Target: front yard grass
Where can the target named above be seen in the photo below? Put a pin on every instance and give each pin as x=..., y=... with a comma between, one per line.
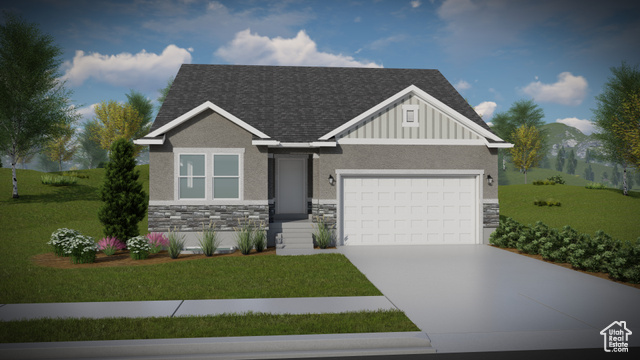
x=250, y=324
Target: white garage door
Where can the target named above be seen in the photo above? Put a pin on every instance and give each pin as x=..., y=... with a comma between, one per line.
x=409, y=210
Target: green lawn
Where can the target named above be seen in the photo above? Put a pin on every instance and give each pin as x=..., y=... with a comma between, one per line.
x=27, y=224
x=585, y=210
x=252, y=324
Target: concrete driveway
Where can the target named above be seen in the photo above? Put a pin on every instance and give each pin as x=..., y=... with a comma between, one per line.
x=480, y=298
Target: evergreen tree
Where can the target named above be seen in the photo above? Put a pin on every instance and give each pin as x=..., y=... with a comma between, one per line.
x=572, y=162
x=605, y=177
x=560, y=159
x=587, y=156
x=588, y=173
x=125, y=202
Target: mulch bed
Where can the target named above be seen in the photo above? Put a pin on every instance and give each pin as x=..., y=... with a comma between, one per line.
x=122, y=258
x=568, y=266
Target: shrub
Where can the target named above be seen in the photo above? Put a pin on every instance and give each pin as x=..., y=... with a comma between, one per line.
x=547, y=202
x=544, y=182
x=556, y=179
x=56, y=180
x=625, y=265
x=323, y=234
x=209, y=240
x=531, y=239
x=75, y=174
x=83, y=249
x=157, y=242
x=138, y=247
x=176, y=243
x=125, y=203
x=558, y=248
x=109, y=245
x=60, y=240
x=507, y=233
x=595, y=186
x=244, y=239
x=259, y=237
x=594, y=254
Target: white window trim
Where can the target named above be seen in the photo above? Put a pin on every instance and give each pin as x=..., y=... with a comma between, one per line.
x=416, y=116
x=239, y=176
x=208, y=190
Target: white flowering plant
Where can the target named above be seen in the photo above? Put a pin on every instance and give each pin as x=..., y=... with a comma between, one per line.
x=139, y=247
x=83, y=249
x=60, y=241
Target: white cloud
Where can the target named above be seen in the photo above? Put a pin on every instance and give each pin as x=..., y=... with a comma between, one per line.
x=415, y=4
x=568, y=90
x=384, y=42
x=142, y=70
x=587, y=127
x=485, y=109
x=357, y=19
x=462, y=85
x=87, y=112
x=253, y=49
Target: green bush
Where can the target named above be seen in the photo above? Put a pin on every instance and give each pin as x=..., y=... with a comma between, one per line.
x=547, y=202
x=209, y=240
x=176, y=243
x=556, y=179
x=556, y=248
x=60, y=240
x=507, y=233
x=594, y=254
x=544, y=182
x=323, y=235
x=56, y=180
x=75, y=174
x=533, y=238
x=596, y=186
x=139, y=247
x=625, y=266
x=125, y=203
x=83, y=249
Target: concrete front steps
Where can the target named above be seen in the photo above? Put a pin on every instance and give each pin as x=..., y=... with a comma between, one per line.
x=293, y=235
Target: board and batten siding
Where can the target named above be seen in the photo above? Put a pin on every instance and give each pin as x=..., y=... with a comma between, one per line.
x=387, y=124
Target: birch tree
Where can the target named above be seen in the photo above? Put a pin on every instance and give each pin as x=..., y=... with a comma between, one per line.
x=34, y=101
x=527, y=148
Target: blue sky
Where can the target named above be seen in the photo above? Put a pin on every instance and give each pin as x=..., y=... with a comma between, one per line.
x=495, y=52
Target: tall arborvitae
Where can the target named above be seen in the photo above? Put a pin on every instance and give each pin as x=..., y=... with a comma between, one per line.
x=125, y=202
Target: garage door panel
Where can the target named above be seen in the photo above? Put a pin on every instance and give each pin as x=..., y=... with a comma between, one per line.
x=409, y=210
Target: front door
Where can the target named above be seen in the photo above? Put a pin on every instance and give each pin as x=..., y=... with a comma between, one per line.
x=291, y=189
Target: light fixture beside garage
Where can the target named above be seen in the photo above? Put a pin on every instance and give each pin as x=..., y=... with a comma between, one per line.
x=489, y=180
x=331, y=180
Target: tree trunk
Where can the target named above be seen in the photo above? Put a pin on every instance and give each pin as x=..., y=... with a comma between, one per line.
x=624, y=182
x=525, y=176
x=15, y=179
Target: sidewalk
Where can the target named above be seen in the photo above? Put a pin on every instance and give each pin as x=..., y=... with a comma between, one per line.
x=253, y=347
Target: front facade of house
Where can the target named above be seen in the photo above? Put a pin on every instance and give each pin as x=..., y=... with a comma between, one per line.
x=390, y=156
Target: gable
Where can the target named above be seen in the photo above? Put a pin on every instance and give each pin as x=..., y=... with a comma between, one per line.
x=432, y=125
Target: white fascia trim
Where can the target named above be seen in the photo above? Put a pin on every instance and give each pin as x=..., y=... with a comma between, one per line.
x=354, y=141
x=146, y=141
x=411, y=172
x=197, y=110
x=498, y=145
x=188, y=202
x=424, y=97
x=313, y=144
x=265, y=142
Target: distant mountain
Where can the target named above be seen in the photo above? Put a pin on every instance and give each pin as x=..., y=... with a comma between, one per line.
x=559, y=135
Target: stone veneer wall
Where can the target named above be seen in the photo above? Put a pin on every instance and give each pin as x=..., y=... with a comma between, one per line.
x=491, y=215
x=327, y=210
x=191, y=217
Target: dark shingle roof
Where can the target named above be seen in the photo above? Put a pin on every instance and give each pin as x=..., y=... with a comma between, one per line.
x=295, y=104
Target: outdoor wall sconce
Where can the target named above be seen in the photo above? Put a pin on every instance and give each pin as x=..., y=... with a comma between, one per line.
x=331, y=180
x=489, y=180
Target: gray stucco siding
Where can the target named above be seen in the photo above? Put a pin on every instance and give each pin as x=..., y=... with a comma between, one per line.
x=207, y=130
x=411, y=157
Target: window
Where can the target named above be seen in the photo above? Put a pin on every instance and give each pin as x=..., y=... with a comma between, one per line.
x=410, y=116
x=208, y=174
x=226, y=176
x=192, y=177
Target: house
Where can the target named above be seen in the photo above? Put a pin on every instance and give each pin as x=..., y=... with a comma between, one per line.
x=390, y=156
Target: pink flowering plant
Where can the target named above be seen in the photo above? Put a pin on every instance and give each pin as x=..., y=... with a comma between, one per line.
x=109, y=245
x=157, y=242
